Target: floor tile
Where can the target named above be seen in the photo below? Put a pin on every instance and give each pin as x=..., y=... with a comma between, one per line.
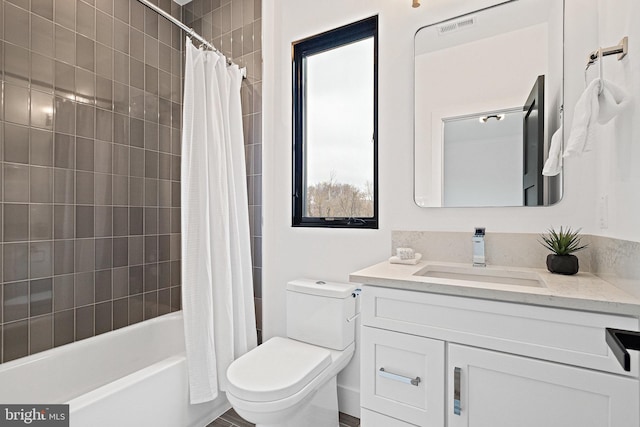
x=232, y=419
x=348, y=420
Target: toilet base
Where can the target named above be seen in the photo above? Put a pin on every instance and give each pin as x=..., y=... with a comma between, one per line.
x=318, y=410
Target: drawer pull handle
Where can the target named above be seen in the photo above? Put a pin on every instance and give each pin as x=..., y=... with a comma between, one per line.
x=619, y=342
x=456, y=391
x=413, y=381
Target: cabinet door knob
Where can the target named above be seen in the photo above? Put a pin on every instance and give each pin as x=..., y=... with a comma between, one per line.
x=457, y=406
x=413, y=381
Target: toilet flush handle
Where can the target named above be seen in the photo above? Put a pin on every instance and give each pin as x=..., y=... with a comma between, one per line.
x=354, y=294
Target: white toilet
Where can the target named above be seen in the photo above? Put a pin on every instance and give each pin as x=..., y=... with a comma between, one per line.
x=291, y=382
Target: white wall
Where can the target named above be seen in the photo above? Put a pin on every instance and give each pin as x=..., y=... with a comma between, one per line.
x=483, y=171
x=332, y=254
x=617, y=208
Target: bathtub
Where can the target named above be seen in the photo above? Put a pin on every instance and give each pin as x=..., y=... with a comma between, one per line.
x=135, y=376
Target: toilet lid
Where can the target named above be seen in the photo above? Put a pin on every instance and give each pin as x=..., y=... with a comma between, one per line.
x=276, y=369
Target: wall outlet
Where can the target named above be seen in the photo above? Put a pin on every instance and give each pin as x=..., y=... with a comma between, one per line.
x=603, y=212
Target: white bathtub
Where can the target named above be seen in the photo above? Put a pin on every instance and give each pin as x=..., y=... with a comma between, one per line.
x=134, y=376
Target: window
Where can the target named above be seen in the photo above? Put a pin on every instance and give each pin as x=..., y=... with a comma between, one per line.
x=335, y=128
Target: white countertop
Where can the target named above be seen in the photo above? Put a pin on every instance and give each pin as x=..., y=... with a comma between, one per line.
x=582, y=291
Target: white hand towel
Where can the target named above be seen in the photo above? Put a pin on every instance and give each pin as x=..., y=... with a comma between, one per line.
x=413, y=261
x=611, y=102
x=405, y=253
x=594, y=106
x=584, y=116
x=553, y=165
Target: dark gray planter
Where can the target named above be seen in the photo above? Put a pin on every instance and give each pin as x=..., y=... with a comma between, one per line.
x=562, y=264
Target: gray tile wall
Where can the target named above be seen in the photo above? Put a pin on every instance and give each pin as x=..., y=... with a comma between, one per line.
x=90, y=168
x=235, y=28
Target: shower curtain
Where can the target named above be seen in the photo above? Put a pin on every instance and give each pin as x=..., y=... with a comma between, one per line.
x=217, y=289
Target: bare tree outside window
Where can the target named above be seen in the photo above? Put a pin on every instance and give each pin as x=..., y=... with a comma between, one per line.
x=335, y=199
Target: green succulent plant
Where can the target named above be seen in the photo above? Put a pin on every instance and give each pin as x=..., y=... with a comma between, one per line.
x=563, y=242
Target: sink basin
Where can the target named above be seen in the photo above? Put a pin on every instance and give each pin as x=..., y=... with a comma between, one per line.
x=482, y=274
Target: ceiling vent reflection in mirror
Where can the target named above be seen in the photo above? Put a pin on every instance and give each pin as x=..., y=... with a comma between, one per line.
x=450, y=27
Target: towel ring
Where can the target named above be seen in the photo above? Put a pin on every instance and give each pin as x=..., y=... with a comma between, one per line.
x=621, y=49
x=596, y=57
x=600, y=61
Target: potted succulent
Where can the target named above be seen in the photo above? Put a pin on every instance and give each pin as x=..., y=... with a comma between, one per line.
x=563, y=244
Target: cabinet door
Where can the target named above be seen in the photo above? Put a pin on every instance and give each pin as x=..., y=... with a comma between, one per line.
x=502, y=390
x=389, y=361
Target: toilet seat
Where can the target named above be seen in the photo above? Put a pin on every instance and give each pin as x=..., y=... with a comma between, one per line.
x=277, y=369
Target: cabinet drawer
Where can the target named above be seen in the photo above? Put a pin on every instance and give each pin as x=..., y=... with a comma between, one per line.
x=373, y=419
x=559, y=335
x=392, y=360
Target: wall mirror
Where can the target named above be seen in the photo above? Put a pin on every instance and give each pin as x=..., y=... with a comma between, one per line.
x=488, y=99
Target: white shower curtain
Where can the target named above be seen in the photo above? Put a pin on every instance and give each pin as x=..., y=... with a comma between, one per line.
x=217, y=289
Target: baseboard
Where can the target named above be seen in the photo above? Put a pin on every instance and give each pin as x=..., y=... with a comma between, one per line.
x=220, y=406
x=349, y=401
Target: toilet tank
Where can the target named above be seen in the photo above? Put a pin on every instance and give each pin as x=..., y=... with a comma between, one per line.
x=317, y=313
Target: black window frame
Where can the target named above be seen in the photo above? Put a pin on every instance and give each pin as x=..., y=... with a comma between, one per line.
x=329, y=40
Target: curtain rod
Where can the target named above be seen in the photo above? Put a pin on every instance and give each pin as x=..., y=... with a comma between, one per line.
x=190, y=31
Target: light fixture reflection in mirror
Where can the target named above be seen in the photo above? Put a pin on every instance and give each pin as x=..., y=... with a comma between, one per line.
x=460, y=72
x=485, y=119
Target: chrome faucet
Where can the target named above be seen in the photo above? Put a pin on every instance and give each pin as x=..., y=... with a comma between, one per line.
x=478, y=248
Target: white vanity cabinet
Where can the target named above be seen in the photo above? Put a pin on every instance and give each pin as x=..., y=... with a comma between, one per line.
x=487, y=363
